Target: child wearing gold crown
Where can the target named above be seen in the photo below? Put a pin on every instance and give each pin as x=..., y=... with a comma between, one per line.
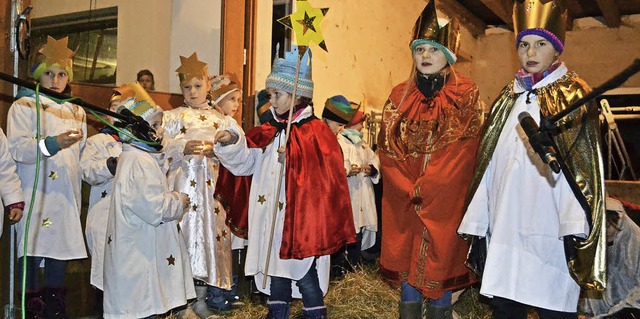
x=428, y=140
x=194, y=170
x=55, y=232
x=312, y=215
x=522, y=208
x=146, y=266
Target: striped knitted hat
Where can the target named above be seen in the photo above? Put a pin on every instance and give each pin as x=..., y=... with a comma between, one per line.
x=283, y=73
x=337, y=108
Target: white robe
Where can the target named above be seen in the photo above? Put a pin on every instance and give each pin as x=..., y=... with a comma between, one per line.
x=95, y=172
x=146, y=267
x=55, y=230
x=525, y=210
x=361, y=191
x=10, y=187
x=207, y=236
x=263, y=164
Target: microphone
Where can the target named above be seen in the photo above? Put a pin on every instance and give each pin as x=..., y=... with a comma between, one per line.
x=540, y=141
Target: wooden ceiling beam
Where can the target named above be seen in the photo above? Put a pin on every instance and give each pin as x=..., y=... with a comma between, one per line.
x=610, y=12
x=502, y=8
x=574, y=8
x=453, y=8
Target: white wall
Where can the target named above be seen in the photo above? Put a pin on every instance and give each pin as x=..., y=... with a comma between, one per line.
x=152, y=34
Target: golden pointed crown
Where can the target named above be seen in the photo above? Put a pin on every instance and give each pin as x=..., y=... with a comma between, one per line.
x=547, y=15
x=191, y=67
x=427, y=28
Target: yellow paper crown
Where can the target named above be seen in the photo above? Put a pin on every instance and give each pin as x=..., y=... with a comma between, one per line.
x=191, y=68
x=427, y=28
x=546, y=15
x=55, y=52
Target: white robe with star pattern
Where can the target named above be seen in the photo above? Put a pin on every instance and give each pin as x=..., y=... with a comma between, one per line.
x=54, y=229
x=95, y=172
x=207, y=236
x=146, y=267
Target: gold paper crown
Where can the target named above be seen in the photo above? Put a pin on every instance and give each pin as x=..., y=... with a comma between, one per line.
x=539, y=14
x=427, y=28
x=191, y=67
x=55, y=52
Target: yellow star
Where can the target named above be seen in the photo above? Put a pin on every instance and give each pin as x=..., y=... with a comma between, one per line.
x=216, y=210
x=209, y=183
x=56, y=52
x=53, y=175
x=109, y=240
x=193, y=183
x=47, y=222
x=218, y=238
x=261, y=199
x=104, y=194
x=191, y=68
x=183, y=130
x=194, y=207
x=202, y=118
x=224, y=233
x=216, y=125
x=304, y=19
x=171, y=260
x=280, y=205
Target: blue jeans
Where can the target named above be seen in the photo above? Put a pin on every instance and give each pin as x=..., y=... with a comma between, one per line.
x=410, y=294
x=54, y=271
x=309, y=286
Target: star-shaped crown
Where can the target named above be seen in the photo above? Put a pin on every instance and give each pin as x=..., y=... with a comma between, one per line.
x=191, y=67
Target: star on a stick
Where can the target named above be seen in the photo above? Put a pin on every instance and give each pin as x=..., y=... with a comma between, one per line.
x=305, y=23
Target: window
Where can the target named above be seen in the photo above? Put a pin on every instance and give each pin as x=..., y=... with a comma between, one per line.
x=92, y=35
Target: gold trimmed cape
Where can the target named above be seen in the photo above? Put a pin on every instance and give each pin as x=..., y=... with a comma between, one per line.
x=578, y=141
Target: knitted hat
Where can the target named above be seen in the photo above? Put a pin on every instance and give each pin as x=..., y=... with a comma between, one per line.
x=54, y=53
x=191, y=68
x=338, y=109
x=427, y=30
x=262, y=107
x=283, y=73
x=223, y=85
x=358, y=118
x=134, y=98
x=548, y=20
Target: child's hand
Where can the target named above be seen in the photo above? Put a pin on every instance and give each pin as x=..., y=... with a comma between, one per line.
x=193, y=147
x=355, y=170
x=186, y=201
x=207, y=148
x=225, y=137
x=15, y=214
x=366, y=168
x=68, y=138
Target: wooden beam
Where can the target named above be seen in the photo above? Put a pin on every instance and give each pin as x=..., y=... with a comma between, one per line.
x=610, y=12
x=502, y=8
x=574, y=8
x=467, y=19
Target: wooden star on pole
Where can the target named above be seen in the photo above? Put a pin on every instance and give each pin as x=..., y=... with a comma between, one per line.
x=305, y=23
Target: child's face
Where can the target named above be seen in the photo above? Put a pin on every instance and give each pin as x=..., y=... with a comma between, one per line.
x=156, y=124
x=231, y=103
x=334, y=126
x=429, y=59
x=536, y=53
x=113, y=106
x=280, y=100
x=194, y=91
x=54, y=78
x=146, y=81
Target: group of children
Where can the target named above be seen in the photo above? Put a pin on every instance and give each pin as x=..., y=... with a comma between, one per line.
x=161, y=237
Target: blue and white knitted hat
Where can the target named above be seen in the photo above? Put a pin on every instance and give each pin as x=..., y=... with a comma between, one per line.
x=283, y=73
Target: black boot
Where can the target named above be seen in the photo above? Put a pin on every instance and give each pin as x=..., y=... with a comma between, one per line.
x=410, y=310
x=54, y=298
x=314, y=313
x=278, y=309
x=434, y=312
x=34, y=304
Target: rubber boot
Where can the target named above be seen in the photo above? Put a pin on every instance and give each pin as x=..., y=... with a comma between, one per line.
x=410, y=310
x=54, y=298
x=278, y=309
x=199, y=306
x=34, y=304
x=216, y=300
x=315, y=313
x=434, y=312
